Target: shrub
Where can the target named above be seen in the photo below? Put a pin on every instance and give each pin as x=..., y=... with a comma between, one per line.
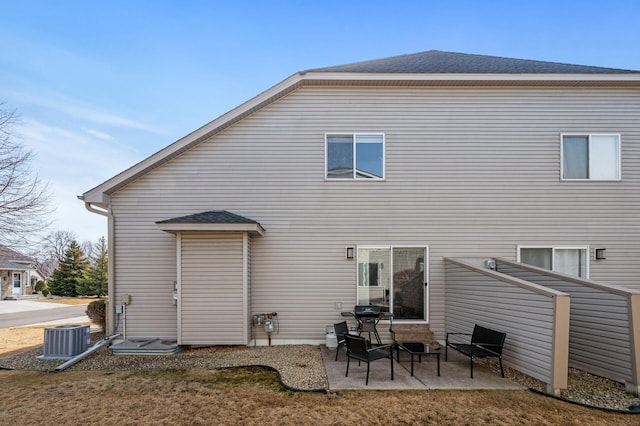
x=97, y=312
x=40, y=285
x=45, y=292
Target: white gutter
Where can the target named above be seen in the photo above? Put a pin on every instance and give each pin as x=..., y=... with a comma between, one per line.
x=96, y=210
x=373, y=76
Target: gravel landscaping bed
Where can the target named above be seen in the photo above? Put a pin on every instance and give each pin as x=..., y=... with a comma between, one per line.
x=583, y=388
x=301, y=368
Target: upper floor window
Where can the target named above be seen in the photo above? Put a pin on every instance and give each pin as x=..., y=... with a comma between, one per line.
x=354, y=156
x=567, y=260
x=590, y=157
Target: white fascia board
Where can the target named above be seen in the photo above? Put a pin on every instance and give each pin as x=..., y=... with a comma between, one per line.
x=97, y=198
x=630, y=77
x=253, y=228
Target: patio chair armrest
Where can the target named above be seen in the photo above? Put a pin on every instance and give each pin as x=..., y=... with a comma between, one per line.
x=375, y=348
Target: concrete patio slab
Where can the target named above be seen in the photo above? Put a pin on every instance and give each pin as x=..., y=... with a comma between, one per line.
x=454, y=374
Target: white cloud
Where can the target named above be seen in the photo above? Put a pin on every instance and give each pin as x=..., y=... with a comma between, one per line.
x=81, y=111
x=53, y=140
x=67, y=149
x=73, y=162
x=100, y=135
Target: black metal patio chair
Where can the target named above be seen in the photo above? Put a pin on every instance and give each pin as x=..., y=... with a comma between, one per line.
x=341, y=330
x=359, y=348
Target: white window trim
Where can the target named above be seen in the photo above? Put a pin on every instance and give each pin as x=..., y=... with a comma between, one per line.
x=589, y=135
x=553, y=254
x=355, y=134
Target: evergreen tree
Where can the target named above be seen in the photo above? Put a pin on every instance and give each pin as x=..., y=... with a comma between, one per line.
x=70, y=272
x=96, y=281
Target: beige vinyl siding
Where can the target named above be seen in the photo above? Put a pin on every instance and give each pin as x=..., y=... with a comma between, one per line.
x=469, y=172
x=601, y=330
x=212, y=297
x=531, y=316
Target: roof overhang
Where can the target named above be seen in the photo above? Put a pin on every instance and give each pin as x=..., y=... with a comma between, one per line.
x=473, y=79
x=174, y=228
x=99, y=196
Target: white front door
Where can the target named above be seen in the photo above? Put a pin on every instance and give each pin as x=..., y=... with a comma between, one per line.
x=17, y=283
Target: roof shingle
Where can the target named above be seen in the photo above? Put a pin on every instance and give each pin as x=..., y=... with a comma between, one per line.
x=212, y=216
x=436, y=62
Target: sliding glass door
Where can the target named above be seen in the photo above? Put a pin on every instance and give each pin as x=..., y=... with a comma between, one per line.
x=394, y=278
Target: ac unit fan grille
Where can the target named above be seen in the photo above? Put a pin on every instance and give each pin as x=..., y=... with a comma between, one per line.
x=65, y=341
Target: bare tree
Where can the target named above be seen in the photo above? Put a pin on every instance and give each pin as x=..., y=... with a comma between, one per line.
x=87, y=248
x=48, y=253
x=57, y=242
x=24, y=198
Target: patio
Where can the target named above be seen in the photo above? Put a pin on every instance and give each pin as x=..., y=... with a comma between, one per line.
x=454, y=374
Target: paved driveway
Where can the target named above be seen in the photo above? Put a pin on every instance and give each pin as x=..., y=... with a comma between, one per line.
x=15, y=313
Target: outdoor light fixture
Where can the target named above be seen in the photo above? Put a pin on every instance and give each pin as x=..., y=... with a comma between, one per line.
x=491, y=264
x=600, y=253
x=350, y=252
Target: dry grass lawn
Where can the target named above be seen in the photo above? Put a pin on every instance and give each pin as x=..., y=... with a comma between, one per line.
x=19, y=338
x=70, y=300
x=254, y=397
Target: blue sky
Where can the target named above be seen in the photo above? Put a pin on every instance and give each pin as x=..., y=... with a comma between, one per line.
x=100, y=86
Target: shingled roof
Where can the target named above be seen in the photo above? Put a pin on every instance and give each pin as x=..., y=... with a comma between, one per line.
x=212, y=216
x=213, y=220
x=11, y=259
x=436, y=62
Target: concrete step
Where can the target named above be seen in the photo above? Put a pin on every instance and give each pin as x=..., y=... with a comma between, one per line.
x=25, y=297
x=413, y=332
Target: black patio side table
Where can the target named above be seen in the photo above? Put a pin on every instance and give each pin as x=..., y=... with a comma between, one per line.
x=417, y=348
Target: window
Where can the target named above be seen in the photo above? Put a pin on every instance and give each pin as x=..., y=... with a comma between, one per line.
x=354, y=156
x=393, y=278
x=591, y=157
x=567, y=260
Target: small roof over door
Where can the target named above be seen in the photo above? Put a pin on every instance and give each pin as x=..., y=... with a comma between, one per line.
x=213, y=220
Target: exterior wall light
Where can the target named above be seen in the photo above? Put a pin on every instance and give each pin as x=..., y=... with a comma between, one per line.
x=600, y=253
x=350, y=252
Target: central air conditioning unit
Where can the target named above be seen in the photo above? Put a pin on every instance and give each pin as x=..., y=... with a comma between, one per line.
x=65, y=341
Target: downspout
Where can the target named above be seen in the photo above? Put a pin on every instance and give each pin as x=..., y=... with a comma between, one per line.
x=83, y=355
x=108, y=213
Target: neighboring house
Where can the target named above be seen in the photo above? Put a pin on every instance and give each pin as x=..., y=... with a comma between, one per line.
x=18, y=274
x=351, y=185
